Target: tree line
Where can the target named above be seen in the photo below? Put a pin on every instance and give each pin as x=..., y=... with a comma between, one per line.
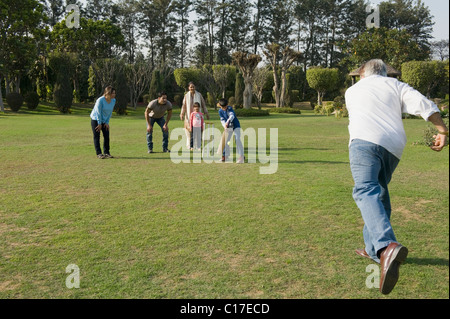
x=139, y=44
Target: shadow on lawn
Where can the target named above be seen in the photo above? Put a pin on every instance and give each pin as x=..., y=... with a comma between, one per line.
x=427, y=261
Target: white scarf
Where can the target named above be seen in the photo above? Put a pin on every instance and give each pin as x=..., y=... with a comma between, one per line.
x=189, y=107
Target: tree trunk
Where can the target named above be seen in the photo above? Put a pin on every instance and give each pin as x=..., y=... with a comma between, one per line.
x=2, y=107
x=319, y=97
x=247, y=93
x=283, y=88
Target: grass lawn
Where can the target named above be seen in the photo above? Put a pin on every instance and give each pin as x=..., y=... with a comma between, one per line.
x=140, y=226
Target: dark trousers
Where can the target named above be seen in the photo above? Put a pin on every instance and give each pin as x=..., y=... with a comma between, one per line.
x=161, y=121
x=105, y=132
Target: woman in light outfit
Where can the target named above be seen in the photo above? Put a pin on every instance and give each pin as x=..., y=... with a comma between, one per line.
x=188, y=107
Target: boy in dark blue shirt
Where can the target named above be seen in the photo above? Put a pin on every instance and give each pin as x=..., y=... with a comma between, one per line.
x=230, y=123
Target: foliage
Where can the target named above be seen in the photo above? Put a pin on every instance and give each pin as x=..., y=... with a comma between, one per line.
x=424, y=76
x=239, y=90
x=393, y=46
x=289, y=110
x=32, y=100
x=247, y=64
x=250, y=112
x=15, y=101
x=63, y=90
x=185, y=75
x=322, y=80
x=122, y=92
x=429, y=132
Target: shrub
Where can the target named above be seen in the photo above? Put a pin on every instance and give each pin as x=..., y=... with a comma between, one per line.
x=32, y=100
x=63, y=92
x=328, y=108
x=15, y=101
x=232, y=101
x=429, y=132
x=178, y=99
x=289, y=110
x=251, y=112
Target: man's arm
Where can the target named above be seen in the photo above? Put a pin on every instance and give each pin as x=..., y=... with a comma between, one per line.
x=147, y=119
x=169, y=116
x=442, y=136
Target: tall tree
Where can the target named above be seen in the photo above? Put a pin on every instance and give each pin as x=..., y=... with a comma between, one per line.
x=181, y=10
x=281, y=22
x=21, y=25
x=247, y=64
x=54, y=10
x=207, y=13
x=410, y=15
x=127, y=14
x=280, y=58
x=260, y=23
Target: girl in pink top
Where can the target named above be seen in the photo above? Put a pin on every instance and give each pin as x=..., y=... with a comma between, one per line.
x=196, y=126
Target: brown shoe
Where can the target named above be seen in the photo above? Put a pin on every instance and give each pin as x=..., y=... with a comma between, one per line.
x=390, y=260
x=362, y=252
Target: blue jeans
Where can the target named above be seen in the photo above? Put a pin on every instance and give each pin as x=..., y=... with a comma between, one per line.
x=372, y=167
x=161, y=121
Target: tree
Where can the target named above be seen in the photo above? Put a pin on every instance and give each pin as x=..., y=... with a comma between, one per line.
x=322, y=80
x=207, y=13
x=280, y=59
x=54, y=10
x=185, y=75
x=223, y=75
x=62, y=65
x=281, y=22
x=21, y=28
x=181, y=10
x=392, y=46
x=408, y=15
x=260, y=23
x=128, y=15
x=425, y=76
x=138, y=75
x=247, y=63
x=440, y=49
x=260, y=77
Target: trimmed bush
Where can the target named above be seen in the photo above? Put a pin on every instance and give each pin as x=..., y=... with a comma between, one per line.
x=32, y=100
x=289, y=110
x=15, y=101
x=251, y=112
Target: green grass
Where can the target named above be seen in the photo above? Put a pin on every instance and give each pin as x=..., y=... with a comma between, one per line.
x=140, y=226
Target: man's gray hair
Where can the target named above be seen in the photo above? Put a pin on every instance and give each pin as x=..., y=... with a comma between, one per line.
x=373, y=67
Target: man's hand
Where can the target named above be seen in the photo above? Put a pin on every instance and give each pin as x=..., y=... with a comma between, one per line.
x=107, y=127
x=207, y=116
x=165, y=127
x=98, y=128
x=149, y=128
x=440, y=141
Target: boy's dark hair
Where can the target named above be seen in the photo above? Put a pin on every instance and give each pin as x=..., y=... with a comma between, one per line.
x=162, y=93
x=196, y=104
x=223, y=102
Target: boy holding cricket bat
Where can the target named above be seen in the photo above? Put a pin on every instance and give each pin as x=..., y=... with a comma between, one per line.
x=231, y=125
